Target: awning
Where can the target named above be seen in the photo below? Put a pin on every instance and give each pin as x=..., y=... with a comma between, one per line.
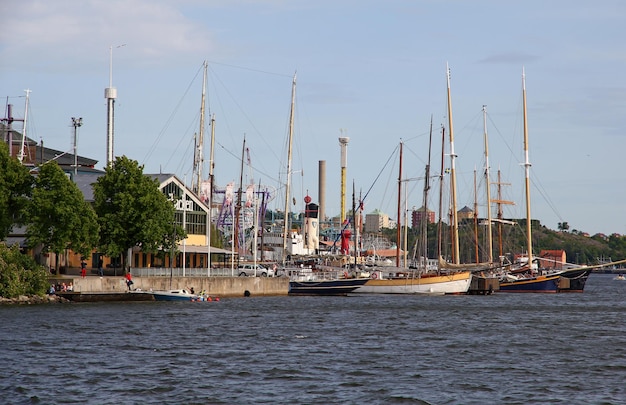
x=203, y=249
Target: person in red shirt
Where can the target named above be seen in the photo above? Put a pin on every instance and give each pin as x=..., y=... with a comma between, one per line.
x=129, y=280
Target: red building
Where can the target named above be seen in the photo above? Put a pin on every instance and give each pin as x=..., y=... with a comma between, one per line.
x=416, y=217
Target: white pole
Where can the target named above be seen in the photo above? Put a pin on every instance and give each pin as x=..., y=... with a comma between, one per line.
x=20, y=156
x=184, y=225
x=232, y=244
x=256, y=228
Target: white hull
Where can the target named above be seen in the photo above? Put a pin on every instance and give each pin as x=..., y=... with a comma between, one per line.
x=174, y=295
x=458, y=283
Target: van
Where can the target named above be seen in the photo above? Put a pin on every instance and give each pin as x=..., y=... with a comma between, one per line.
x=249, y=270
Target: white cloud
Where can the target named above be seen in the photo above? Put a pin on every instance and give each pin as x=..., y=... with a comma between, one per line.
x=53, y=34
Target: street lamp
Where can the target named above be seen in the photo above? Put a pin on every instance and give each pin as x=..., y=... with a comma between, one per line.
x=76, y=123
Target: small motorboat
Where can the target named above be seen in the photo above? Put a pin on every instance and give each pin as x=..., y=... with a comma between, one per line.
x=619, y=277
x=175, y=295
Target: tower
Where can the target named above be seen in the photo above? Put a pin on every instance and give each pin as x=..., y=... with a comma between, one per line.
x=343, y=142
x=110, y=93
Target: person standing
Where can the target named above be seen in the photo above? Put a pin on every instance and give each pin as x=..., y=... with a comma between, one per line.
x=83, y=269
x=129, y=280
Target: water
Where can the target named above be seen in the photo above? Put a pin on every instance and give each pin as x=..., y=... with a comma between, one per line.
x=504, y=348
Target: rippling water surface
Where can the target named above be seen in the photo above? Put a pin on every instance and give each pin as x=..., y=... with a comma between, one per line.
x=504, y=348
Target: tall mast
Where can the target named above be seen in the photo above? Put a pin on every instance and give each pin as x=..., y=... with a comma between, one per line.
x=488, y=186
x=239, y=192
x=500, y=216
x=440, y=220
x=398, y=240
x=424, y=217
x=199, y=156
x=287, y=185
x=210, y=204
x=355, y=226
x=476, y=252
x=455, y=220
x=527, y=174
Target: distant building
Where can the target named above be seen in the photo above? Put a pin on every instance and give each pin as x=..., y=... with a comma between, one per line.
x=190, y=210
x=416, y=217
x=465, y=213
x=375, y=221
x=552, y=259
x=35, y=153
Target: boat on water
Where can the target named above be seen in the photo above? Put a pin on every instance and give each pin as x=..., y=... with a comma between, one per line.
x=528, y=277
x=386, y=280
x=619, y=277
x=175, y=295
x=308, y=282
x=389, y=279
x=570, y=280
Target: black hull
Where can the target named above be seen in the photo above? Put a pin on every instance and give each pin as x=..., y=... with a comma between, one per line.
x=575, y=280
x=328, y=287
x=572, y=280
x=106, y=296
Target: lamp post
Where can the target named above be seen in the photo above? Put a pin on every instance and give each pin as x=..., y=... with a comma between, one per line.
x=76, y=123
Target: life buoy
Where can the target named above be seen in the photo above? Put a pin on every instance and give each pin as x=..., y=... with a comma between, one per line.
x=374, y=275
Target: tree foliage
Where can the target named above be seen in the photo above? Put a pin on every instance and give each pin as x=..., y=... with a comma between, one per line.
x=132, y=211
x=19, y=274
x=15, y=190
x=59, y=218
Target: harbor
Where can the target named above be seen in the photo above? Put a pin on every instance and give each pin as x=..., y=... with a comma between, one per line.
x=111, y=288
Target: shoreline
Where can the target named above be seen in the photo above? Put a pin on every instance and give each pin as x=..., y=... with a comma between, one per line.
x=33, y=300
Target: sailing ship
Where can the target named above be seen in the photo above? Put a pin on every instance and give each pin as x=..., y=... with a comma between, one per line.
x=529, y=278
x=383, y=280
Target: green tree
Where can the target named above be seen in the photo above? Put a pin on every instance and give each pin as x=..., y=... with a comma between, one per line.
x=132, y=211
x=19, y=274
x=59, y=218
x=15, y=190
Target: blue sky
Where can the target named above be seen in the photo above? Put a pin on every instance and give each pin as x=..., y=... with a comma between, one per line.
x=374, y=70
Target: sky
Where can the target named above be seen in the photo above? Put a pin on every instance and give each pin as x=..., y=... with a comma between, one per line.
x=370, y=70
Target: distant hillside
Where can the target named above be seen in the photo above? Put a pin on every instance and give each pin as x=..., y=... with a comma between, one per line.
x=579, y=247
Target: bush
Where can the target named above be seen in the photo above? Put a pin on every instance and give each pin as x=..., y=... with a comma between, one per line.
x=19, y=274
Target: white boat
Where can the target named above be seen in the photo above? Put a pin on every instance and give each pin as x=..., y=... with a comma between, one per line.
x=175, y=295
x=387, y=280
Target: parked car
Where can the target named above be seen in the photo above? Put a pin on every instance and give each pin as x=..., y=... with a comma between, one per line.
x=249, y=270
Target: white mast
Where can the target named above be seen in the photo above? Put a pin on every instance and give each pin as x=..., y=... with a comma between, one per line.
x=488, y=185
x=527, y=174
x=291, y=118
x=20, y=156
x=455, y=221
x=199, y=155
